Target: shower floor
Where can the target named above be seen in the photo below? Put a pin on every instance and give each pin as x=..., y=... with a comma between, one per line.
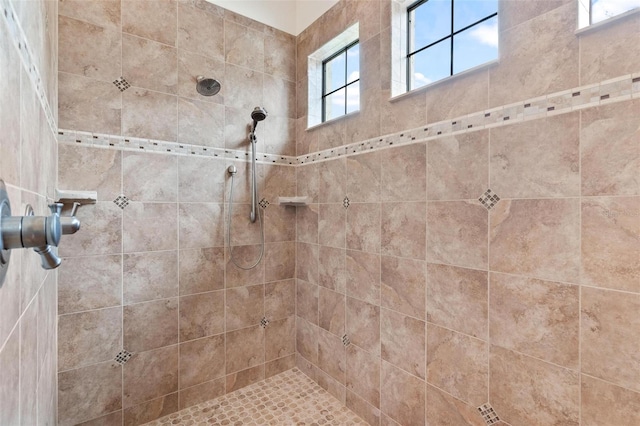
x=289, y=398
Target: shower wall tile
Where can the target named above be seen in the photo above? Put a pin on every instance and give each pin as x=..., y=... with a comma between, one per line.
x=548, y=245
x=307, y=262
x=363, y=325
x=151, y=410
x=331, y=311
x=402, y=341
x=403, y=174
x=403, y=229
x=89, y=392
x=10, y=387
x=105, y=13
x=201, y=225
x=603, y=402
x=201, y=270
x=201, y=315
x=9, y=112
x=536, y=318
x=331, y=385
x=78, y=109
x=363, y=409
x=307, y=181
x=149, y=375
x=403, y=285
x=200, y=179
x=152, y=19
x=201, y=393
x=200, y=123
x=87, y=169
x=280, y=62
x=280, y=299
x=244, y=348
x=101, y=231
x=147, y=114
x=461, y=96
x=244, y=88
x=307, y=224
x=609, y=345
x=89, y=337
x=402, y=395
x=89, y=50
x=29, y=364
x=457, y=166
x=243, y=46
x=190, y=66
x=113, y=418
x=307, y=301
x=150, y=325
x=332, y=269
x=442, y=407
x=149, y=65
x=280, y=365
x=88, y=283
x=201, y=360
x=307, y=341
x=363, y=227
x=515, y=378
x=149, y=226
x=244, y=256
x=363, y=276
x=546, y=164
x=244, y=378
x=363, y=177
x=280, y=261
x=332, y=181
x=331, y=355
x=457, y=299
x=280, y=338
x=149, y=177
x=331, y=225
x=279, y=181
x=363, y=374
x=610, y=248
x=458, y=364
x=515, y=13
x=610, y=169
x=457, y=234
x=244, y=306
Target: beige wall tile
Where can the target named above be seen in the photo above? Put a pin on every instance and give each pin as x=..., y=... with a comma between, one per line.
x=89, y=337
x=89, y=392
x=149, y=65
x=457, y=166
x=457, y=299
x=280, y=261
x=200, y=179
x=363, y=177
x=201, y=393
x=201, y=315
x=149, y=276
x=244, y=88
x=402, y=340
x=243, y=46
x=536, y=318
x=150, y=177
x=151, y=374
x=525, y=390
x=244, y=306
x=87, y=283
x=151, y=410
x=331, y=385
x=243, y=256
x=442, y=407
x=331, y=225
x=363, y=227
x=244, y=378
x=307, y=181
x=331, y=355
x=609, y=343
x=201, y=360
x=147, y=114
x=459, y=96
x=403, y=229
x=403, y=175
x=153, y=19
x=279, y=365
x=307, y=341
x=201, y=270
x=244, y=348
x=150, y=325
x=280, y=60
x=331, y=311
x=403, y=285
x=402, y=396
x=332, y=269
x=29, y=366
x=201, y=225
x=604, y=403
x=101, y=231
x=363, y=375
x=105, y=13
x=332, y=181
x=87, y=169
x=610, y=169
x=9, y=110
x=515, y=13
x=149, y=226
x=113, y=418
x=548, y=243
x=363, y=409
x=363, y=325
x=407, y=112
x=279, y=299
x=200, y=123
x=307, y=224
x=307, y=262
x=363, y=276
x=458, y=364
x=457, y=233
x=280, y=338
x=544, y=163
x=89, y=50
x=10, y=386
x=190, y=66
x=307, y=301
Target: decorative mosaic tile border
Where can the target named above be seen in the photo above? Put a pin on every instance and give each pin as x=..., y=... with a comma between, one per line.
x=611, y=91
x=26, y=56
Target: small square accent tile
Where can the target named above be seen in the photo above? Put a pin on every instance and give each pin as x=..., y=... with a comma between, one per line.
x=346, y=202
x=264, y=322
x=123, y=356
x=489, y=199
x=121, y=84
x=121, y=201
x=263, y=203
x=345, y=340
x=488, y=414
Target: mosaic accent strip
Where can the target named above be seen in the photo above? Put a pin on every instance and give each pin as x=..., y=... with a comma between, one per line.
x=489, y=199
x=264, y=203
x=123, y=356
x=488, y=414
x=121, y=201
x=165, y=147
x=121, y=84
x=19, y=38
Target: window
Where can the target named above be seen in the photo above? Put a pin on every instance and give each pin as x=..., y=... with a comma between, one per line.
x=594, y=11
x=341, y=82
x=334, y=78
x=446, y=37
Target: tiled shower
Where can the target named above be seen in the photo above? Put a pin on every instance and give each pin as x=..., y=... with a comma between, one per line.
x=472, y=244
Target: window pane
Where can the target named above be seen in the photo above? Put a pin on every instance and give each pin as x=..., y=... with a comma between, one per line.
x=353, y=97
x=353, y=63
x=431, y=64
x=467, y=12
x=429, y=23
x=605, y=9
x=334, y=73
x=334, y=104
x=475, y=46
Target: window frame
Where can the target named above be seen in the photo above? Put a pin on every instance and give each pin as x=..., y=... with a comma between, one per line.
x=325, y=95
x=451, y=35
x=585, y=15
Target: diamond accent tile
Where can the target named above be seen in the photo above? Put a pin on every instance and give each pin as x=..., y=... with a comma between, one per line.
x=123, y=356
x=263, y=203
x=121, y=201
x=488, y=414
x=345, y=340
x=346, y=202
x=264, y=322
x=489, y=199
x=121, y=84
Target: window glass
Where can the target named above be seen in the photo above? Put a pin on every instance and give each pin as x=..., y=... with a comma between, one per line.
x=467, y=12
x=353, y=63
x=335, y=104
x=605, y=9
x=431, y=64
x=334, y=73
x=353, y=97
x=341, y=94
x=475, y=46
x=430, y=22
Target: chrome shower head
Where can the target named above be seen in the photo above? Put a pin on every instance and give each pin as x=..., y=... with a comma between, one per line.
x=207, y=86
x=258, y=114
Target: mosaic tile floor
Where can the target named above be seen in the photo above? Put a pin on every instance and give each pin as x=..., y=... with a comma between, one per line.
x=290, y=398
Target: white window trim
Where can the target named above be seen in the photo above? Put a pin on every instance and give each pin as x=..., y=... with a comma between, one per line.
x=314, y=73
